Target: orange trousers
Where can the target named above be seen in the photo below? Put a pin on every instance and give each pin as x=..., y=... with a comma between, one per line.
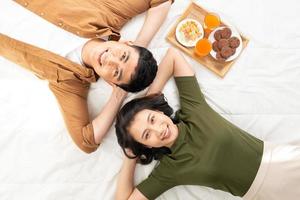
x=67, y=80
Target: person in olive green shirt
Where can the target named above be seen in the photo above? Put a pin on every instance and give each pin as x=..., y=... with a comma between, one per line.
x=198, y=146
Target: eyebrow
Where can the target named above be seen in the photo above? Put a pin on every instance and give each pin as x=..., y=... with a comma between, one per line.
x=121, y=71
x=148, y=118
x=128, y=55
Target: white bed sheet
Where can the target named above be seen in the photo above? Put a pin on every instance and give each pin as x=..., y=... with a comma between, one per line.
x=261, y=94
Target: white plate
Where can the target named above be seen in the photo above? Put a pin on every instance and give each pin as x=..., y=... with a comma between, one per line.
x=182, y=39
x=234, y=33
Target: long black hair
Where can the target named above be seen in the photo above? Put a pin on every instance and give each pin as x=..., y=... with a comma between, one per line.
x=126, y=116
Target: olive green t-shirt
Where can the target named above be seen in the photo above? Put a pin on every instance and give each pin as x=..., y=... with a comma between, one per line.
x=209, y=151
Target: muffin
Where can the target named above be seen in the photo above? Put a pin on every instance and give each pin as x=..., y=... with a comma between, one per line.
x=215, y=46
x=226, y=33
x=223, y=43
x=233, y=51
x=218, y=35
x=234, y=42
x=226, y=52
x=219, y=57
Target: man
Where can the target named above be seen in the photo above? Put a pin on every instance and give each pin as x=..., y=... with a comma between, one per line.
x=119, y=63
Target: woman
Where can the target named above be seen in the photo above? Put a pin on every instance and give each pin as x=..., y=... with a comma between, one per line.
x=199, y=147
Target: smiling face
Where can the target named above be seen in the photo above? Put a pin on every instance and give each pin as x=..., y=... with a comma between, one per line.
x=115, y=62
x=153, y=129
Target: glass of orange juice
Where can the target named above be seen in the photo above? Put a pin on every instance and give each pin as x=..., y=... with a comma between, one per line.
x=203, y=47
x=211, y=21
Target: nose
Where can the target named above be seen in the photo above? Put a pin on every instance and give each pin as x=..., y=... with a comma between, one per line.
x=112, y=62
x=108, y=57
x=158, y=130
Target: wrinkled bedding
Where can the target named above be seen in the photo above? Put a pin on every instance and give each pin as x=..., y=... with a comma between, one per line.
x=260, y=93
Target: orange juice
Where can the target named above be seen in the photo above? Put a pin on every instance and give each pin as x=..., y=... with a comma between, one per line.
x=211, y=21
x=203, y=47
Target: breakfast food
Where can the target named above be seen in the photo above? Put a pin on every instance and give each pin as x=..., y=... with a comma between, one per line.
x=190, y=30
x=226, y=33
x=225, y=44
x=234, y=42
x=219, y=57
x=226, y=52
x=215, y=46
x=218, y=35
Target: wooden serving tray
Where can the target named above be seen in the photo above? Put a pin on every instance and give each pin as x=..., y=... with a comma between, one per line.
x=196, y=12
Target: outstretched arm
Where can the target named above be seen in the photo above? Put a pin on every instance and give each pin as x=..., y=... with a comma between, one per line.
x=103, y=122
x=173, y=64
x=125, y=187
x=154, y=19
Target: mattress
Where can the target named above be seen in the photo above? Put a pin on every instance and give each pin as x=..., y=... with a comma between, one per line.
x=260, y=94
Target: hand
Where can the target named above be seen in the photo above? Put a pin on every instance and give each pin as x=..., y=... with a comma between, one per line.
x=128, y=42
x=119, y=93
x=131, y=154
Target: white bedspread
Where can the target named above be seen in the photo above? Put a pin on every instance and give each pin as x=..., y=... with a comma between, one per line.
x=261, y=94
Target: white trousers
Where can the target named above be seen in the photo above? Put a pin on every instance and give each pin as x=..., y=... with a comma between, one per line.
x=278, y=177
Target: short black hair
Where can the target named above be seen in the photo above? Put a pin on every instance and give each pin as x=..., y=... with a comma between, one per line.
x=145, y=71
x=126, y=116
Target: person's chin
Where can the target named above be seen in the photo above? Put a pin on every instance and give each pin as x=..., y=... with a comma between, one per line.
x=99, y=72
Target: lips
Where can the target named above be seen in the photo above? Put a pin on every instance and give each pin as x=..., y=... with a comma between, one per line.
x=100, y=59
x=166, y=134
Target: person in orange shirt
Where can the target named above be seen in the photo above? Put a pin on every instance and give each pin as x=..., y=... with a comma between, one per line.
x=125, y=65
